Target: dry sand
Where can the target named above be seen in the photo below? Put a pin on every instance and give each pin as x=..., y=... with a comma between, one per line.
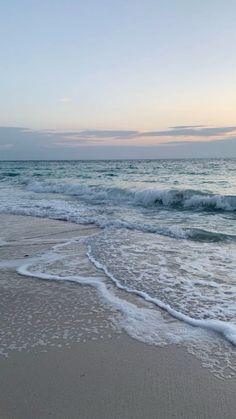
x=99, y=373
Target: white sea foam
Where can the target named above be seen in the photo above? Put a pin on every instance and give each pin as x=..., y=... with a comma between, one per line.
x=226, y=329
x=189, y=276
x=138, y=316
x=140, y=321
x=15, y=263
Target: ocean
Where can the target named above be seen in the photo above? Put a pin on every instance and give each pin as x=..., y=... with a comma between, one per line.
x=167, y=235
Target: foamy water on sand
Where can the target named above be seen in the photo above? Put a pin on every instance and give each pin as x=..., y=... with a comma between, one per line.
x=166, y=244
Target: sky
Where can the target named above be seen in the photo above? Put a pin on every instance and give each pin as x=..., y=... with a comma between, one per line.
x=123, y=79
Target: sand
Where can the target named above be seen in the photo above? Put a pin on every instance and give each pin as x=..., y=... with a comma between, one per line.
x=67, y=362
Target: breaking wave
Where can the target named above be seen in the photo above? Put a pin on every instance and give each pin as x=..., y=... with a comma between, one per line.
x=168, y=198
x=66, y=211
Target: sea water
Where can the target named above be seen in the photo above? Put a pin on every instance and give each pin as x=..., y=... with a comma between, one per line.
x=167, y=235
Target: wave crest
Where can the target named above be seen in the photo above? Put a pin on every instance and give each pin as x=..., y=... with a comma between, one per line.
x=170, y=198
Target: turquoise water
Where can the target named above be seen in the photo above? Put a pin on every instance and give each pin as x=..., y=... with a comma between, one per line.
x=167, y=227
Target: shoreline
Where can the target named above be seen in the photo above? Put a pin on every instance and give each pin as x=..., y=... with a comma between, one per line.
x=104, y=374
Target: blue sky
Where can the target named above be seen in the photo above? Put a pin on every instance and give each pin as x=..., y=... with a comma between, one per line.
x=134, y=67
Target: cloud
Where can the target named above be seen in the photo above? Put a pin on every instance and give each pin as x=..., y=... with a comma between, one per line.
x=6, y=146
x=96, y=133
x=191, y=131
x=187, y=126
x=65, y=99
x=23, y=140
x=178, y=131
x=23, y=143
x=108, y=133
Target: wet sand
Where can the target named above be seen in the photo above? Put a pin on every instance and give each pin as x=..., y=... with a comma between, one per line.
x=66, y=362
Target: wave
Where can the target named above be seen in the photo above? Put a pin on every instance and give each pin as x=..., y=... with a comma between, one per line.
x=226, y=329
x=198, y=234
x=68, y=211
x=181, y=199
x=223, y=328
x=186, y=199
x=9, y=174
x=174, y=231
x=141, y=321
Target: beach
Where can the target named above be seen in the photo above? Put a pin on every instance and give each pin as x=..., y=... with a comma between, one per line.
x=118, y=210
x=64, y=353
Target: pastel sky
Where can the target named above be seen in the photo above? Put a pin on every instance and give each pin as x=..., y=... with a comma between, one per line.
x=117, y=79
